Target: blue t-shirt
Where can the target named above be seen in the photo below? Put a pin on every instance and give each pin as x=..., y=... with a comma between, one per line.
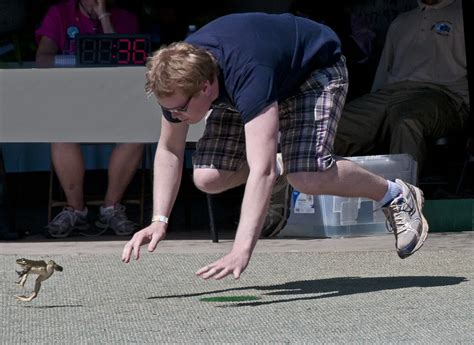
x=265, y=57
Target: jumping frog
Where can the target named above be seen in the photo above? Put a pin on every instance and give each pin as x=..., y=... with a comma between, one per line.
x=42, y=269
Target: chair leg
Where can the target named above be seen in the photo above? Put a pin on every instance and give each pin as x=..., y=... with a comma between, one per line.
x=7, y=216
x=469, y=159
x=16, y=44
x=212, y=226
x=142, y=191
x=147, y=178
x=50, y=196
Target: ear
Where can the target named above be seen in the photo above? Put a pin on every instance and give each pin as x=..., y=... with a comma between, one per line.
x=206, y=88
x=209, y=87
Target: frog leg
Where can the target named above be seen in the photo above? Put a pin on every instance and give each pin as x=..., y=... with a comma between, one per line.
x=22, y=280
x=24, y=298
x=35, y=292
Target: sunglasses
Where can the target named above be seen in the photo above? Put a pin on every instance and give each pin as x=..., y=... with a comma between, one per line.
x=181, y=109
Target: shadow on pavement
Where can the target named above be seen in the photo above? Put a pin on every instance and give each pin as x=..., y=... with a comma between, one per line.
x=331, y=287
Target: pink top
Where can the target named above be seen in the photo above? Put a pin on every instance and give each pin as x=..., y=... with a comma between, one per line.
x=66, y=16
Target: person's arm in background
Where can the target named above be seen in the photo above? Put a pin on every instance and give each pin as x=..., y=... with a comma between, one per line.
x=46, y=51
x=385, y=62
x=103, y=15
x=47, y=37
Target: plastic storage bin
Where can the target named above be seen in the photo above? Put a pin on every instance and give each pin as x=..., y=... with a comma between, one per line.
x=332, y=216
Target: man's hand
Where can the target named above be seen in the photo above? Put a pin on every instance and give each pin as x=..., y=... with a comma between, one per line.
x=233, y=263
x=151, y=234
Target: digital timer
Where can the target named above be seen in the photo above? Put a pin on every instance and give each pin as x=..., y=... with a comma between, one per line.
x=112, y=49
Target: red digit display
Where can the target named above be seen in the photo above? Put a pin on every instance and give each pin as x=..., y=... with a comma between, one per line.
x=112, y=49
x=139, y=52
x=124, y=51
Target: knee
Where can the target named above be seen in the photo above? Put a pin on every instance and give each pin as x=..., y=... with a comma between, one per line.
x=208, y=180
x=138, y=149
x=59, y=147
x=66, y=152
x=131, y=147
x=405, y=126
x=138, y=146
x=402, y=116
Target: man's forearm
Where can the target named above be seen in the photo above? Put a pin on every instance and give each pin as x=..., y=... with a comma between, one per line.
x=254, y=209
x=166, y=180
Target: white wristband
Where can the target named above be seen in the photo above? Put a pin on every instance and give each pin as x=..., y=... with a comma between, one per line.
x=103, y=15
x=159, y=218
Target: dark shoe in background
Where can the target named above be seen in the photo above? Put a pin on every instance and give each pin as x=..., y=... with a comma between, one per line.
x=280, y=202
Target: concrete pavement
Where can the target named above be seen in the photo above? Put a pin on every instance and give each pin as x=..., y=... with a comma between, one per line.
x=351, y=290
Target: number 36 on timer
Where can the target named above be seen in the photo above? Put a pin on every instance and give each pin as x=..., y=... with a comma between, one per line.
x=112, y=49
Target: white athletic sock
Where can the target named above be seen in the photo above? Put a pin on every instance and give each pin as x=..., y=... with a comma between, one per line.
x=393, y=191
x=104, y=209
x=82, y=213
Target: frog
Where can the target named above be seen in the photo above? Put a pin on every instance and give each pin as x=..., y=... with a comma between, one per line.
x=41, y=268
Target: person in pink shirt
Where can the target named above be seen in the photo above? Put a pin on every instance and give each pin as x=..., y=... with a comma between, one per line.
x=68, y=18
x=61, y=23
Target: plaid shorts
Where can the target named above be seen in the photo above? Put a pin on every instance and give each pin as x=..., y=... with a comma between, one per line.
x=308, y=123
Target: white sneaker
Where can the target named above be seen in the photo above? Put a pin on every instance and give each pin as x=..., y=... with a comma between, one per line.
x=406, y=219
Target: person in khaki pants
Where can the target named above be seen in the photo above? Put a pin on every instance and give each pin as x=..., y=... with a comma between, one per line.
x=420, y=89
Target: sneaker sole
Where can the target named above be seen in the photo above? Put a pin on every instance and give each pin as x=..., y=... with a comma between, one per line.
x=48, y=234
x=425, y=227
x=104, y=228
x=93, y=234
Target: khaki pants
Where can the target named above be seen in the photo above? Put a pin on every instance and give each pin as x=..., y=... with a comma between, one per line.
x=398, y=119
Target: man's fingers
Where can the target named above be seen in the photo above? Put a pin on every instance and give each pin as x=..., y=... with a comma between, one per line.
x=224, y=273
x=237, y=273
x=207, y=271
x=212, y=272
x=127, y=250
x=153, y=243
x=136, y=250
x=203, y=270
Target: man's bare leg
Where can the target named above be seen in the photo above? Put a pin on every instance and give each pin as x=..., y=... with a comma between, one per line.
x=404, y=212
x=344, y=178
